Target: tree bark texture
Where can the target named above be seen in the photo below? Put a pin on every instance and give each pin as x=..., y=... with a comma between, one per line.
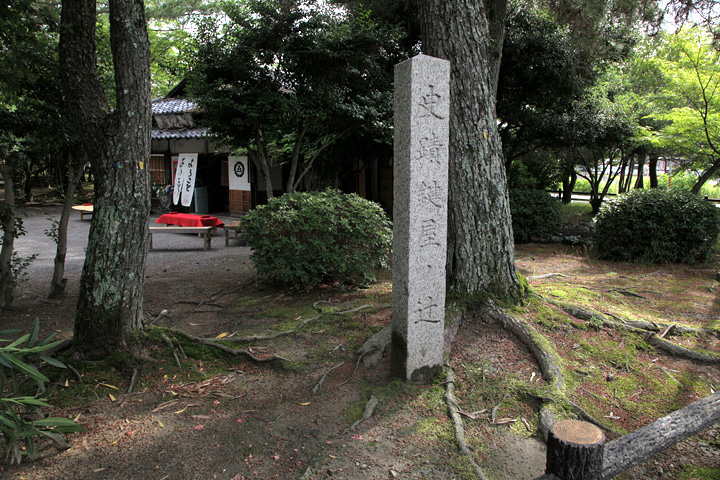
x=575, y=451
x=635, y=447
x=85, y=103
x=481, y=256
x=111, y=285
x=7, y=279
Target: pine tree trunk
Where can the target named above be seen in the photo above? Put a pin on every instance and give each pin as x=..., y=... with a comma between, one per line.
x=7, y=216
x=111, y=285
x=481, y=256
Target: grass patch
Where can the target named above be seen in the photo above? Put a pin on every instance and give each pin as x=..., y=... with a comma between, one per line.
x=692, y=472
x=576, y=212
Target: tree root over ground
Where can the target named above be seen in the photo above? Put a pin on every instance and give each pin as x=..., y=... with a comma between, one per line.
x=213, y=342
x=648, y=330
x=272, y=336
x=549, y=361
x=454, y=414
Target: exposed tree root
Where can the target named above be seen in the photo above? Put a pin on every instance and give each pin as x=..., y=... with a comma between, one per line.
x=532, y=278
x=256, y=338
x=132, y=380
x=367, y=412
x=550, y=362
x=232, y=351
x=375, y=347
x=680, y=351
x=320, y=382
x=588, y=314
x=454, y=413
x=648, y=330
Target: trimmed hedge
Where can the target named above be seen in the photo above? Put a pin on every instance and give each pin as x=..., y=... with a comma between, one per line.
x=536, y=215
x=657, y=226
x=307, y=238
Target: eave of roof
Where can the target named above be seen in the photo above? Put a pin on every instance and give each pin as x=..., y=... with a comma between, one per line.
x=166, y=106
x=178, y=134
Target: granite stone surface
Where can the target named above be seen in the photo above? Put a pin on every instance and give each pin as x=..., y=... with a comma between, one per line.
x=422, y=111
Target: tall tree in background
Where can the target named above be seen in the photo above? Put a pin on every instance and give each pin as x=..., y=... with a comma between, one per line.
x=30, y=126
x=117, y=144
x=690, y=65
x=286, y=80
x=481, y=257
x=171, y=24
x=542, y=74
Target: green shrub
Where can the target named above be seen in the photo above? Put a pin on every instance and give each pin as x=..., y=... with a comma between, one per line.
x=657, y=226
x=306, y=238
x=536, y=215
x=21, y=421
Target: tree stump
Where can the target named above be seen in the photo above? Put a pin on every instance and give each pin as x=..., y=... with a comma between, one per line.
x=575, y=451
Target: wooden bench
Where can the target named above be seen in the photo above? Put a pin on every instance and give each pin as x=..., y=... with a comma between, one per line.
x=233, y=227
x=84, y=210
x=204, y=232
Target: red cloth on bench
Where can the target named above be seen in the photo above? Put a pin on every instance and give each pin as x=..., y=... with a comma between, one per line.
x=189, y=220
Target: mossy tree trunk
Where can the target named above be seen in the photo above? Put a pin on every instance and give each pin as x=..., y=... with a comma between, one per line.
x=118, y=144
x=481, y=257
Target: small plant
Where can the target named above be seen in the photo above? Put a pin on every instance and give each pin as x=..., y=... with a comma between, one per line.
x=53, y=230
x=536, y=215
x=306, y=238
x=21, y=421
x=19, y=266
x=657, y=226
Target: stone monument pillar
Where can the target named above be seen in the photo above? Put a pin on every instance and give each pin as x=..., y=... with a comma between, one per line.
x=422, y=111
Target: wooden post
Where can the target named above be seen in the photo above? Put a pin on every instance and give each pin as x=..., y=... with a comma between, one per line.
x=575, y=451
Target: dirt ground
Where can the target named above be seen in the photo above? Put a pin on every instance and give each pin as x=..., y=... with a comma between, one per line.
x=260, y=421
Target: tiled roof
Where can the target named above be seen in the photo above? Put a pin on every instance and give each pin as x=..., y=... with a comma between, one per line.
x=173, y=105
x=172, y=134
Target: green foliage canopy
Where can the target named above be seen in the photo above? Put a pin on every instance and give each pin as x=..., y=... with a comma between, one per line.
x=286, y=79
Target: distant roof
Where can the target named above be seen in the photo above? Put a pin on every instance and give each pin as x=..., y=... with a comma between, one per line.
x=201, y=132
x=173, y=105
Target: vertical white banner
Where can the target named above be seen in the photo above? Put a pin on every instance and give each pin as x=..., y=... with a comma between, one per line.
x=179, y=165
x=187, y=179
x=238, y=173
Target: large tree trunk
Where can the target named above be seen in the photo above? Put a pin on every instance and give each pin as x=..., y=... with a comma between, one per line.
x=59, y=282
x=568, y=185
x=652, y=166
x=481, y=256
x=7, y=216
x=111, y=285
